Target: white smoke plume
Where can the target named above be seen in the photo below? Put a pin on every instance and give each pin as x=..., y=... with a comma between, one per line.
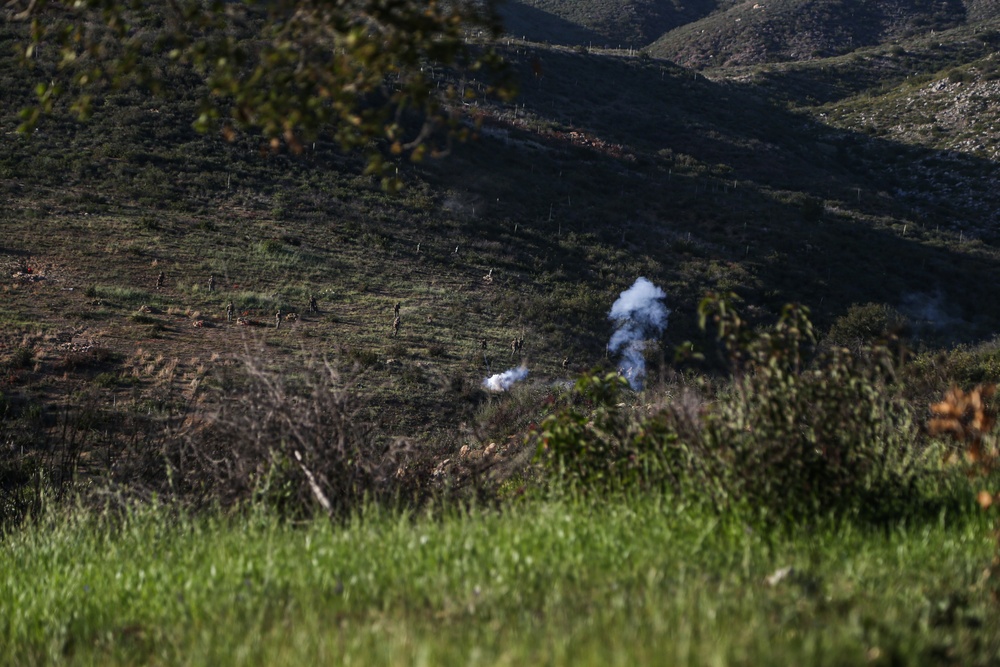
x=639, y=314
x=504, y=381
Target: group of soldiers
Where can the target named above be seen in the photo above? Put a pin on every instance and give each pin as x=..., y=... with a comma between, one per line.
x=161, y=278
x=516, y=344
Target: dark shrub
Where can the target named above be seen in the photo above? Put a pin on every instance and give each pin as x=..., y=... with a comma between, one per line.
x=865, y=324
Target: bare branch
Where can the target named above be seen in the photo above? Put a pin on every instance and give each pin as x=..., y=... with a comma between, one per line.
x=27, y=13
x=313, y=486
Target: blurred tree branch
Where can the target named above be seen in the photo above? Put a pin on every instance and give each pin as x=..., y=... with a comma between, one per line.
x=387, y=77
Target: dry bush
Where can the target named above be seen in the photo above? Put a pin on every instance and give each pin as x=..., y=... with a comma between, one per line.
x=296, y=441
x=85, y=452
x=89, y=357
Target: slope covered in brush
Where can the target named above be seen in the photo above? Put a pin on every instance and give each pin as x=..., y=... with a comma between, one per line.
x=943, y=94
x=792, y=30
x=932, y=92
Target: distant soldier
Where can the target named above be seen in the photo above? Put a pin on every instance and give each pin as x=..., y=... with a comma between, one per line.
x=211, y=283
x=229, y=311
x=313, y=304
x=565, y=363
x=159, y=280
x=395, y=326
x=513, y=348
x=395, y=309
x=277, y=319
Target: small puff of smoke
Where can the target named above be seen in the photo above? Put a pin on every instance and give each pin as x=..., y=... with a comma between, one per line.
x=639, y=313
x=504, y=381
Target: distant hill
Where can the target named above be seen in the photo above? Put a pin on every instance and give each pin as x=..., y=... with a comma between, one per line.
x=713, y=33
x=794, y=30
x=603, y=23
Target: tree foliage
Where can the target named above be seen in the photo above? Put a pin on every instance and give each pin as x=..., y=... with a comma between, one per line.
x=384, y=76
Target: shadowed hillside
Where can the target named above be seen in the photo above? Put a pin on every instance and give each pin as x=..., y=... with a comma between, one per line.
x=603, y=23
x=721, y=167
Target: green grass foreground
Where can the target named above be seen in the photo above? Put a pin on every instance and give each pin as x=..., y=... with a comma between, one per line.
x=543, y=583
